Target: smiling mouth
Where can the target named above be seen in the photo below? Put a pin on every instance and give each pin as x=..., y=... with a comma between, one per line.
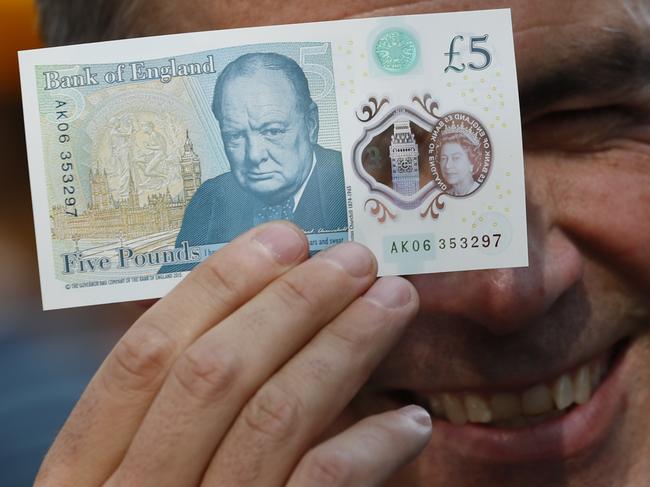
x=532, y=405
x=524, y=407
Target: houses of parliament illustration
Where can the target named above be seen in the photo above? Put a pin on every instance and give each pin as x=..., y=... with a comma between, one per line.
x=127, y=218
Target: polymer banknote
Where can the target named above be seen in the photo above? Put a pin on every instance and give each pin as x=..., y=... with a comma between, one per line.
x=148, y=155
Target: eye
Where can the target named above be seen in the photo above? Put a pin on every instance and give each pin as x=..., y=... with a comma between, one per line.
x=273, y=132
x=232, y=138
x=583, y=130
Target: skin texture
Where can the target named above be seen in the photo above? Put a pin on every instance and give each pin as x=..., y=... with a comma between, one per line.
x=456, y=167
x=587, y=163
x=268, y=140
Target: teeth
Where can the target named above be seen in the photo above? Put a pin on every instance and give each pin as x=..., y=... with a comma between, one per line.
x=454, y=408
x=535, y=404
x=536, y=400
x=563, y=392
x=437, y=406
x=597, y=371
x=477, y=409
x=582, y=385
x=505, y=406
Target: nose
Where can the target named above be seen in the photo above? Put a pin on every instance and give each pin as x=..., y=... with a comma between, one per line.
x=256, y=152
x=504, y=301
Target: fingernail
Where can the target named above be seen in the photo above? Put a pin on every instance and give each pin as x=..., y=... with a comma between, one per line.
x=417, y=414
x=283, y=242
x=356, y=259
x=390, y=292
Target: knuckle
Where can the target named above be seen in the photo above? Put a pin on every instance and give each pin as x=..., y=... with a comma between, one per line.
x=293, y=293
x=326, y=468
x=353, y=336
x=273, y=413
x=206, y=375
x=141, y=357
x=361, y=334
x=318, y=370
x=220, y=285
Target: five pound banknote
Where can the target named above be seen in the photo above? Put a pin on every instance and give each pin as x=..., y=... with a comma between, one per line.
x=148, y=155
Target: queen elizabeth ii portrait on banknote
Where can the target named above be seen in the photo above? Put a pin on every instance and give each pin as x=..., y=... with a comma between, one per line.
x=462, y=153
x=269, y=126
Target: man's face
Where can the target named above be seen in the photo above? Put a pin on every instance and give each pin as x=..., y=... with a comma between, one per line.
x=268, y=138
x=485, y=337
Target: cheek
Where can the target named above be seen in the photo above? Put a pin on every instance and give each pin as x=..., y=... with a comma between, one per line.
x=235, y=156
x=297, y=146
x=237, y=168
x=603, y=201
x=282, y=155
x=448, y=166
x=289, y=154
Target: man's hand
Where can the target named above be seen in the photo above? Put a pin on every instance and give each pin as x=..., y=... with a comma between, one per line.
x=232, y=377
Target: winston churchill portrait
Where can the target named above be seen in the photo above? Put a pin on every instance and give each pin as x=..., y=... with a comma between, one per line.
x=269, y=126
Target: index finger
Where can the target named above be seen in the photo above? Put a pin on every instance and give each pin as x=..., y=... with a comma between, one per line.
x=105, y=419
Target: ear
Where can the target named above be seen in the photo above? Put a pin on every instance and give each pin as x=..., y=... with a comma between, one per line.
x=311, y=118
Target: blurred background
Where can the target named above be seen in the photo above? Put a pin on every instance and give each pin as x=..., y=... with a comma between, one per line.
x=46, y=358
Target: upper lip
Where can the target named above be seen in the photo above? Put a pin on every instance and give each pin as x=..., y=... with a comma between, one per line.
x=512, y=383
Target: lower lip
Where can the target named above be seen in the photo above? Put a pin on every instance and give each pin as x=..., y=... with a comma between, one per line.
x=564, y=437
x=259, y=177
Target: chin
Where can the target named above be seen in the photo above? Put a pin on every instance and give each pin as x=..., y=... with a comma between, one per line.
x=266, y=190
x=451, y=181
